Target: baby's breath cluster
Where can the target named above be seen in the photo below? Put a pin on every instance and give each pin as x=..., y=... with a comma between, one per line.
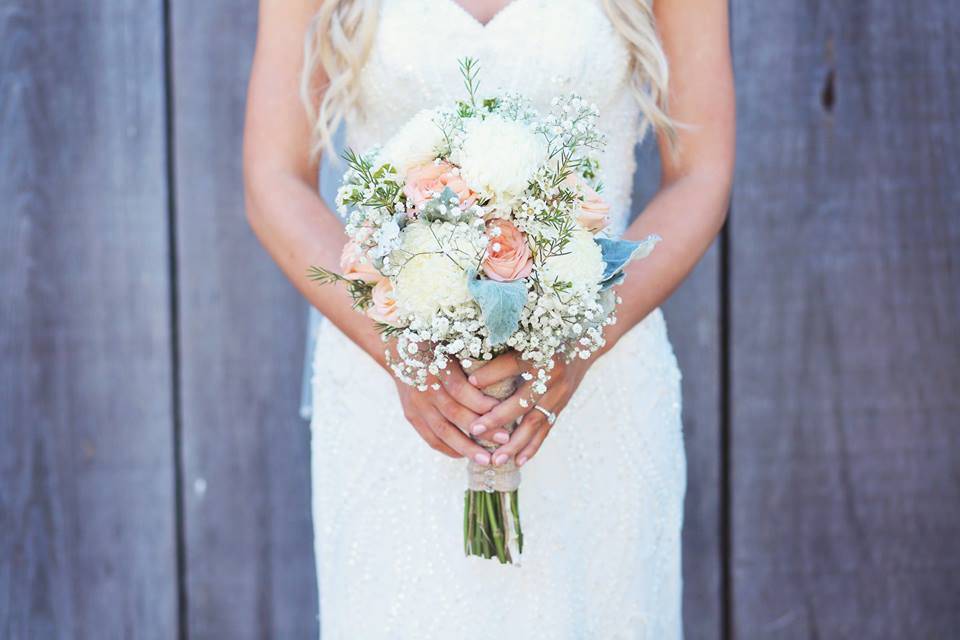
x=371, y=200
x=425, y=347
x=572, y=135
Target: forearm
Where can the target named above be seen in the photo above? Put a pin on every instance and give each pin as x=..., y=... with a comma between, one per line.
x=687, y=213
x=299, y=230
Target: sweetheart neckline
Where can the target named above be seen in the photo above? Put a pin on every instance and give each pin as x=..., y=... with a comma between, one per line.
x=483, y=26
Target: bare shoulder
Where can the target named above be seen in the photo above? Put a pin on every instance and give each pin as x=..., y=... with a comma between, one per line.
x=277, y=12
x=277, y=130
x=283, y=24
x=695, y=35
x=675, y=17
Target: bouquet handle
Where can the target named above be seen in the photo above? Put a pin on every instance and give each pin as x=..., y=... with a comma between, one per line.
x=491, y=502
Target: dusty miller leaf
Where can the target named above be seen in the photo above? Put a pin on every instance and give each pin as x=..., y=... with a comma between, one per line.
x=618, y=253
x=500, y=303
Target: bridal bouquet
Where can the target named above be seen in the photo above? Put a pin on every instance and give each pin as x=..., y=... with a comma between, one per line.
x=477, y=228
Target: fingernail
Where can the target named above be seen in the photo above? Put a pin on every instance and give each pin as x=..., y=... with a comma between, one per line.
x=481, y=458
x=501, y=437
x=472, y=380
x=500, y=459
x=478, y=428
x=521, y=460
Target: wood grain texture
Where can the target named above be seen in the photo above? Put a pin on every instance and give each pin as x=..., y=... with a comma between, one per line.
x=844, y=345
x=248, y=533
x=87, y=543
x=846, y=295
x=693, y=322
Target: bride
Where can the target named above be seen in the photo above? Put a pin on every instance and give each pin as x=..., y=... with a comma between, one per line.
x=603, y=561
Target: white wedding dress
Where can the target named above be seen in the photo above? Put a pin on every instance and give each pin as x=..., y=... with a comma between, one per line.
x=602, y=502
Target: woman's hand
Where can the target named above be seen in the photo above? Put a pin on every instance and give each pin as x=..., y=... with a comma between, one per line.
x=525, y=441
x=443, y=412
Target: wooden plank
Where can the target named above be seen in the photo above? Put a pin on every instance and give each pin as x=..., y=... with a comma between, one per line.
x=86, y=486
x=245, y=451
x=846, y=294
x=693, y=322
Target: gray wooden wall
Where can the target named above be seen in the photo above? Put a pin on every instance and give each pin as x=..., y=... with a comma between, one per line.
x=154, y=477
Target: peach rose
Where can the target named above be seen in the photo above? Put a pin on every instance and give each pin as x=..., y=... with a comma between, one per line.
x=427, y=180
x=356, y=265
x=508, y=253
x=384, y=307
x=594, y=212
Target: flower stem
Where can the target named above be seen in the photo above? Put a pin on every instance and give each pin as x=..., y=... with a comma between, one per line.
x=515, y=510
x=487, y=528
x=496, y=530
x=466, y=523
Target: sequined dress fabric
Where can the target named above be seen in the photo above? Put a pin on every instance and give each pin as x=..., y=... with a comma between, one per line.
x=602, y=502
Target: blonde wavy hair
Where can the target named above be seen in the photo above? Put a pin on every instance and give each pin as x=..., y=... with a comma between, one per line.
x=340, y=35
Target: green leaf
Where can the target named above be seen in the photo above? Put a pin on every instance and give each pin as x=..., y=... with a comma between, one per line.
x=618, y=253
x=500, y=304
x=469, y=69
x=324, y=276
x=441, y=207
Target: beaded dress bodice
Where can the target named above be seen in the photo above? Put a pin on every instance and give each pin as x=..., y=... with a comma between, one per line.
x=540, y=48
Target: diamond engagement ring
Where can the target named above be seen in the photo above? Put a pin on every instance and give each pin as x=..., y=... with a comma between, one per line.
x=551, y=416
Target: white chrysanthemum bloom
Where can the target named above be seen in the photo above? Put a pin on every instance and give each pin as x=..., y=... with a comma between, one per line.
x=415, y=143
x=581, y=263
x=433, y=260
x=498, y=157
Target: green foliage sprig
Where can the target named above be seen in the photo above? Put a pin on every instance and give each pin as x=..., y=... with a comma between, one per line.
x=359, y=290
x=375, y=190
x=470, y=70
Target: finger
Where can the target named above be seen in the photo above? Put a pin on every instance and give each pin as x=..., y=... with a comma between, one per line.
x=500, y=368
x=523, y=447
x=455, y=382
x=453, y=410
x=506, y=412
x=433, y=441
x=448, y=432
x=533, y=446
x=499, y=436
x=466, y=420
x=520, y=438
x=554, y=401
